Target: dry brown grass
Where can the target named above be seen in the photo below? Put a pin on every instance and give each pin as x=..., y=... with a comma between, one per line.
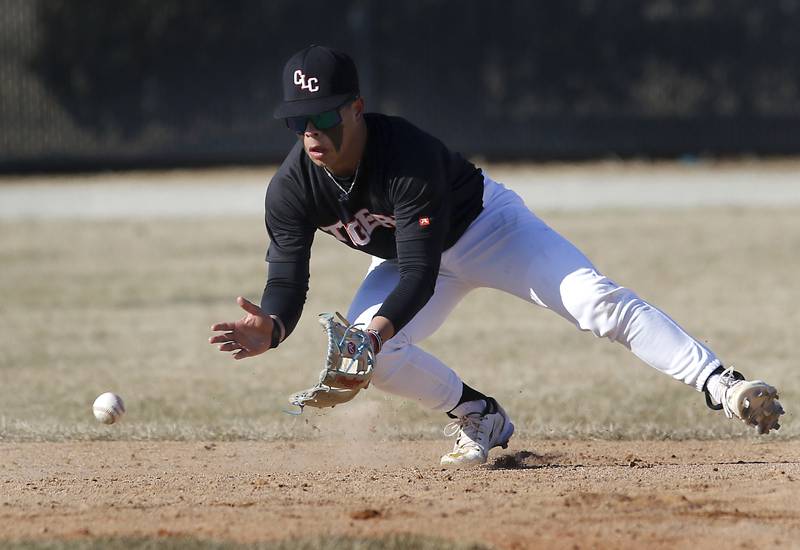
x=126, y=306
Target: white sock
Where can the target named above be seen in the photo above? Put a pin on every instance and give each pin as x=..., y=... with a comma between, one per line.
x=714, y=388
x=469, y=407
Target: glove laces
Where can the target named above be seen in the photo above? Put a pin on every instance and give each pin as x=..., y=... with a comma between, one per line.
x=357, y=334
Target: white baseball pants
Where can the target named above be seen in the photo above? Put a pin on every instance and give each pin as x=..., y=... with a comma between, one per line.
x=508, y=248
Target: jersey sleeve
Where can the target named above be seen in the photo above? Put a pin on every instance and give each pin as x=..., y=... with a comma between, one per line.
x=288, y=255
x=422, y=215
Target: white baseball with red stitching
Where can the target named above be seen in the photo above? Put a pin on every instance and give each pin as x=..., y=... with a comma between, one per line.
x=108, y=408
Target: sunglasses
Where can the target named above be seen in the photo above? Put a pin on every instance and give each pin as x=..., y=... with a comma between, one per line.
x=322, y=121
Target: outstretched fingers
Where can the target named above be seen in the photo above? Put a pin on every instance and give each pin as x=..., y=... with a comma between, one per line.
x=247, y=337
x=222, y=338
x=243, y=354
x=230, y=346
x=223, y=326
x=249, y=306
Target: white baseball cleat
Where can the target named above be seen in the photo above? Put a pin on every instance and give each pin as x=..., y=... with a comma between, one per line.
x=753, y=401
x=478, y=433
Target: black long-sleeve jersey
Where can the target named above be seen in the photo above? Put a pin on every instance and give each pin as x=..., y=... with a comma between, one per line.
x=412, y=199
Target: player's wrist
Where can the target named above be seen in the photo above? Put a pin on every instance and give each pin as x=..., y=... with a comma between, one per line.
x=278, y=332
x=375, y=339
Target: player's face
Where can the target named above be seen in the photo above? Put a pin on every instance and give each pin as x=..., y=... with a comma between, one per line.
x=334, y=146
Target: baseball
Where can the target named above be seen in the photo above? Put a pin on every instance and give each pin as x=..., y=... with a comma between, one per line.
x=108, y=408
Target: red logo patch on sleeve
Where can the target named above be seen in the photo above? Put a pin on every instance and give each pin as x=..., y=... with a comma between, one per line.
x=424, y=222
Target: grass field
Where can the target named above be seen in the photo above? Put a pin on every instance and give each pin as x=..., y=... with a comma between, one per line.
x=126, y=306
x=206, y=459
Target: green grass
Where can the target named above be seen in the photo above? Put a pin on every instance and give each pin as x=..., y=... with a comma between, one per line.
x=126, y=306
x=394, y=542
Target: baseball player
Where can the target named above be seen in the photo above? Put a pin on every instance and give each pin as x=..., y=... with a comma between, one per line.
x=437, y=227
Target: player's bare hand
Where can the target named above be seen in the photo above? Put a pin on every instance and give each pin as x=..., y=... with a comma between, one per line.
x=249, y=336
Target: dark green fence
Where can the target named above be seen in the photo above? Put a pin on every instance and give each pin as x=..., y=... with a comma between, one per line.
x=125, y=83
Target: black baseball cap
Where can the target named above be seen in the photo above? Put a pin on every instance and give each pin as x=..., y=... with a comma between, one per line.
x=317, y=79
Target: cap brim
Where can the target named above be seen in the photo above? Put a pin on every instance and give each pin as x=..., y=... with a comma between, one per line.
x=307, y=107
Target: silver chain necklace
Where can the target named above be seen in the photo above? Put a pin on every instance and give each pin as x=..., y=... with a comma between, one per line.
x=345, y=193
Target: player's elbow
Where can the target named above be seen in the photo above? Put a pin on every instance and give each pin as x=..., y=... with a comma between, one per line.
x=423, y=290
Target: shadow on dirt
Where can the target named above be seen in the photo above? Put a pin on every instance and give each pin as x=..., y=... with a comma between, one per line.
x=523, y=460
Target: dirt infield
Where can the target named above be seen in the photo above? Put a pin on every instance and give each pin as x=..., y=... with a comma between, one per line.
x=555, y=494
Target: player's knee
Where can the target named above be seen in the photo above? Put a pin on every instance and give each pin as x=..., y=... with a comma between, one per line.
x=597, y=303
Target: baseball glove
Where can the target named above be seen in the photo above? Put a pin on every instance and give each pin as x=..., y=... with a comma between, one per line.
x=348, y=365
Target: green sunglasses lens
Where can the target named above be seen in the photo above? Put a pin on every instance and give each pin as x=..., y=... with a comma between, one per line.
x=297, y=124
x=322, y=121
x=326, y=120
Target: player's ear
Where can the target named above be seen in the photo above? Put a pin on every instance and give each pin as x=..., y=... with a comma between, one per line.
x=358, y=108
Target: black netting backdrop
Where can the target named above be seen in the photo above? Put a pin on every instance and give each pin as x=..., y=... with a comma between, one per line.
x=98, y=83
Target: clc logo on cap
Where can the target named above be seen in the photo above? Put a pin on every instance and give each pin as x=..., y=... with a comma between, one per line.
x=305, y=83
x=315, y=80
